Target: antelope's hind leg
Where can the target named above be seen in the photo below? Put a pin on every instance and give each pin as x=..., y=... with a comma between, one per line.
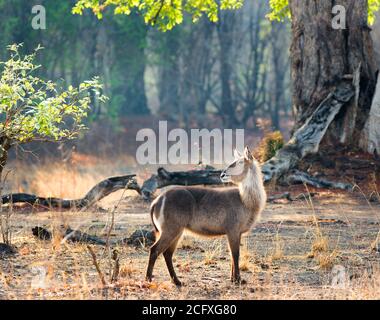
x=168, y=255
x=164, y=242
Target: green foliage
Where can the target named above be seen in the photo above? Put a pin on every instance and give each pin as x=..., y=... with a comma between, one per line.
x=270, y=144
x=280, y=10
x=164, y=13
x=373, y=7
x=33, y=109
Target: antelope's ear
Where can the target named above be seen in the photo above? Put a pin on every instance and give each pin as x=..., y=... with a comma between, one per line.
x=237, y=154
x=247, y=154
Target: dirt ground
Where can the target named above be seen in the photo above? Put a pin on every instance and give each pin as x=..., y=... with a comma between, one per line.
x=324, y=247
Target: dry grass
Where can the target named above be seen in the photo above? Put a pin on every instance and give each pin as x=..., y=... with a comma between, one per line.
x=62, y=270
x=245, y=260
x=278, y=251
x=6, y=226
x=68, y=178
x=212, y=253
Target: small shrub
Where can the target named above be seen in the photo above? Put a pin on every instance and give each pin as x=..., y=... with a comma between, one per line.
x=270, y=144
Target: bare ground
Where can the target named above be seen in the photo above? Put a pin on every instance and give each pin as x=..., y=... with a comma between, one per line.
x=324, y=248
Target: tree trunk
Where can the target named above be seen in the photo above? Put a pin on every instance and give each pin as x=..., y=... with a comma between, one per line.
x=371, y=134
x=322, y=56
x=280, y=65
x=129, y=38
x=225, y=30
x=168, y=45
x=198, y=63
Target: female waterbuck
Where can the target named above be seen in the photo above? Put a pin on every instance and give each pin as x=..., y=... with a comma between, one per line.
x=209, y=212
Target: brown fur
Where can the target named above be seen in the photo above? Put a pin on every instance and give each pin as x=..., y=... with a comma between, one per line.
x=209, y=212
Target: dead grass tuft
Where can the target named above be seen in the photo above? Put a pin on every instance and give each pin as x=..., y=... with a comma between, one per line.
x=245, y=261
x=127, y=270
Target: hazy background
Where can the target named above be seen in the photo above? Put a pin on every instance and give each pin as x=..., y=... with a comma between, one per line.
x=234, y=74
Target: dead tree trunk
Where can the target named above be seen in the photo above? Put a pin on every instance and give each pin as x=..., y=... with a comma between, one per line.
x=322, y=55
x=334, y=80
x=307, y=138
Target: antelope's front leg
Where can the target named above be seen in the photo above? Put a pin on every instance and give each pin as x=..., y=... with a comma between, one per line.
x=234, y=244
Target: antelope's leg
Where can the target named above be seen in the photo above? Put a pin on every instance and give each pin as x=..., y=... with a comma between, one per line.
x=168, y=255
x=234, y=244
x=161, y=245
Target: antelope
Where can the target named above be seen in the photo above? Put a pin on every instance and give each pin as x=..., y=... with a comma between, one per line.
x=209, y=212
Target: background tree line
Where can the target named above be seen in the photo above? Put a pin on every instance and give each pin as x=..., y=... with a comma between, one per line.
x=235, y=70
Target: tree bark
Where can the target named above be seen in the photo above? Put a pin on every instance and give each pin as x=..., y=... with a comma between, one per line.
x=371, y=134
x=225, y=31
x=321, y=56
x=306, y=140
x=168, y=44
x=130, y=38
x=280, y=62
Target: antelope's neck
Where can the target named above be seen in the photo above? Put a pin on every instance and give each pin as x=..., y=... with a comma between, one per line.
x=252, y=190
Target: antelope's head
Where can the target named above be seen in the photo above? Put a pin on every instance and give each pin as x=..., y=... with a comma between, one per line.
x=239, y=168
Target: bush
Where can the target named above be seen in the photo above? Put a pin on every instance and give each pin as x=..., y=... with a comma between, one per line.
x=32, y=109
x=270, y=144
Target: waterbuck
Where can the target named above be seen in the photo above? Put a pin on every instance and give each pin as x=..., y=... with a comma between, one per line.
x=209, y=212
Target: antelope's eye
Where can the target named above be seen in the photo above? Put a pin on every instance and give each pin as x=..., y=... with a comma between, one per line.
x=233, y=165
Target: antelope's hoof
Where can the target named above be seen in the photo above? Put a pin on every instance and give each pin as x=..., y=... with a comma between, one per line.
x=177, y=282
x=238, y=281
x=148, y=278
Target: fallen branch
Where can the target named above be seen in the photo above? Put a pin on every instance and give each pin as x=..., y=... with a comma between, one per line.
x=68, y=234
x=98, y=192
x=7, y=250
x=164, y=178
x=138, y=238
x=79, y=236
x=287, y=196
x=298, y=177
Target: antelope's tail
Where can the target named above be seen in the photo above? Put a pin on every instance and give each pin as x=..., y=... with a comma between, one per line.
x=152, y=208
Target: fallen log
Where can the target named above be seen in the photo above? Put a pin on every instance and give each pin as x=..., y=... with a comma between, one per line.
x=298, y=177
x=287, y=196
x=7, y=250
x=138, y=238
x=68, y=234
x=165, y=178
x=42, y=233
x=281, y=196
x=79, y=236
x=98, y=192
